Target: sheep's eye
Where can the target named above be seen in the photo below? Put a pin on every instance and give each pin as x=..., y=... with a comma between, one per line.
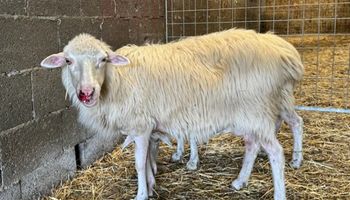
x=68, y=62
x=104, y=60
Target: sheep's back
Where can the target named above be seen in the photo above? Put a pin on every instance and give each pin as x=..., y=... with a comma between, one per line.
x=204, y=84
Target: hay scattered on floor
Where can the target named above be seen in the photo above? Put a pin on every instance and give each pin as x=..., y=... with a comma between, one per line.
x=325, y=173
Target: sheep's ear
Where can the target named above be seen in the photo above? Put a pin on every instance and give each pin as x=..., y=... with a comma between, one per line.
x=54, y=61
x=116, y=59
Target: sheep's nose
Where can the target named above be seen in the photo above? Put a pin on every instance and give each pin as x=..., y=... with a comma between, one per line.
x=86, y=94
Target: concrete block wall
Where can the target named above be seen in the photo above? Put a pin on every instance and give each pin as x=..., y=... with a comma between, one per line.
x=41, y=142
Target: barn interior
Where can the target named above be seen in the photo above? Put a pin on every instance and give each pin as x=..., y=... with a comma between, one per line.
x=46, y=154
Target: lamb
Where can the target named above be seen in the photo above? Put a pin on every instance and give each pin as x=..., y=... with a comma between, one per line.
x=235, y=81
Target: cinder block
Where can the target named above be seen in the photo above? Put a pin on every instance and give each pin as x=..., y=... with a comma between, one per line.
x=91, y=8
x=28, y=147
x=139, y=9
x=108, y=8
x=68, y=8
x=143, y=8
x=147, y=30
x=49, y=93
x=161, y=8
x=54, y=8
x=126, y=8
x=115, y=32
x=96, y=146
x=91, y=26
x=40, y=181
x=71, y=27
x=152, y=8
x=42, y=8
x=25, y=42
x=68, y=28
x=16, y=100
x=12, y=192
x=13, y=7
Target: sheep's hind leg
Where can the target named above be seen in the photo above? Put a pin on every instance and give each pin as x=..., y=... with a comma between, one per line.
x=177, y=156
x=192, y=164
x=295, y=123
x=278, y=125
x=251, y=151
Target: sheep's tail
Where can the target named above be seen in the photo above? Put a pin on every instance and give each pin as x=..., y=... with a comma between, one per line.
x=293, y=67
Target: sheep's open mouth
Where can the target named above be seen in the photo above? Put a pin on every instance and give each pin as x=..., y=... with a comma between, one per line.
x=89, y=102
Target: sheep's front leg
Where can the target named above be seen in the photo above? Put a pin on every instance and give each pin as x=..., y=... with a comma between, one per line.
x=192, y=164
x=275, y=152
x=141, y=154
x=251, y=151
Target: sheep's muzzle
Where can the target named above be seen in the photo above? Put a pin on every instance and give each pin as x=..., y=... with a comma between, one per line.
x=86, y=96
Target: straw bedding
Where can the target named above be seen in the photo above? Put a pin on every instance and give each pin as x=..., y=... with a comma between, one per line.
x=325, y=173
x=327, y=70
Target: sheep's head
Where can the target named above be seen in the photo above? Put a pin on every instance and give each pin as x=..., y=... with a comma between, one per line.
x=86, y=59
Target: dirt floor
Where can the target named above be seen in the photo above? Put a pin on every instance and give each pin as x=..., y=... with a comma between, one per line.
x=325, y=173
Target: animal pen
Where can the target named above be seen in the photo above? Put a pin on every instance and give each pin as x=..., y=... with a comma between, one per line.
x=320, y=30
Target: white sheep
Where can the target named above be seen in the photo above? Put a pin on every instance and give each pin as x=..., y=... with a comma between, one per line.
x=232, y=81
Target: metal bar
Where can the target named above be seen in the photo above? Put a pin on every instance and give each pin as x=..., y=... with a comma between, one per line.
x=166, y=21
x=195, y=17
x=288, y=18
x=259, y=15
x=276, y=20
x=219, y=15
x=232, y=13
x=273, y=15
x=333, y=56
x=348, y=84
x=207, y=25
x=183, y=17
x=249, y=7
x=172, y=18
x=245, y=14
x=302, y=42
x=318, y=50
x=307, y=35
x=321, y=109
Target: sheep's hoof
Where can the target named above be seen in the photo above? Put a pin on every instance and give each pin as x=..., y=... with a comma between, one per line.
x=151, y=183
x=176, y=157
x=192, y=165
x=295, y=164
x=238, y=184
x=141, y=197
x=150, y=192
